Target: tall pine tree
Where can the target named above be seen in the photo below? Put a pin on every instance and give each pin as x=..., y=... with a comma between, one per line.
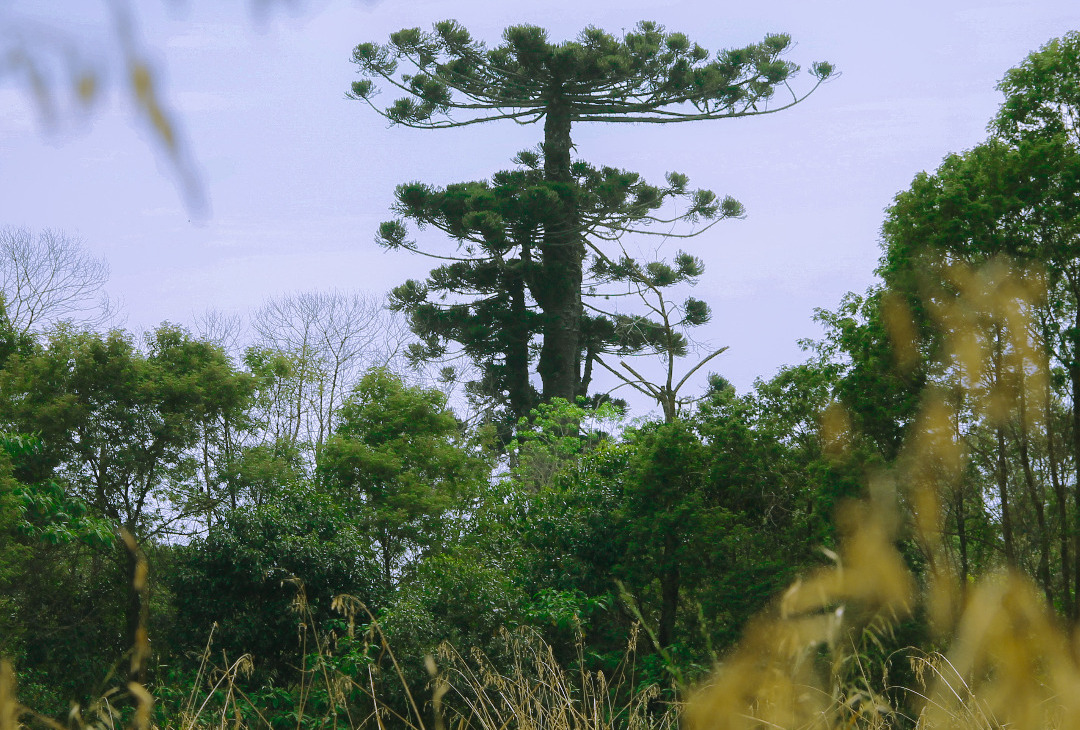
x=486, y=299
x=649, y=75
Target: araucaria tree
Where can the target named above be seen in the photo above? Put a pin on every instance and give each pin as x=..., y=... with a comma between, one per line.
x=486, y=298
x=649, y=75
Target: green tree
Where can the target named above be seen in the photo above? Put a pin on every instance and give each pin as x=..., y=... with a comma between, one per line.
x=668, y=513
x=245, y=575
x=1039, y=118
x=1012, y=199
x=706, y=513
x=649, y=75
x=1042, y=94
x=14, y=554
x=117, y=426
x=877, y=385
x=499, y=225
x=552, y=525
x=769, y=492
x=399, y=463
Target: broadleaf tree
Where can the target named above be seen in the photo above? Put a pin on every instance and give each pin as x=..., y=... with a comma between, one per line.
x=398, y=461
x=118, y=427
x=1011, y=200
x=1040, y=118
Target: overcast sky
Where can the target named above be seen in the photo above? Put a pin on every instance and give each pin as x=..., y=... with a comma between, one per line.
x=298, y=177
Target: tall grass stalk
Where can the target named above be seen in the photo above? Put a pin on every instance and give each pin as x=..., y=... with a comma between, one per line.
x=536, y=692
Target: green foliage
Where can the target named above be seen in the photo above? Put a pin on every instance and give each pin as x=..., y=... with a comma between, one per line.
x=463, y=596
x=936, y=330
x=555, y=437
x=879, y=390
x=491, y=300
x=1042, y=94
x=700, y=521
x=649, y=75
x=44, y=511
x=14, y=553
x=399, y=464
x=668, y=515
x=258, y=473
x=260, y=571
x=643, y=76
x=116, y=428
x=116, y=424
x=50, y=515
x=566, y=610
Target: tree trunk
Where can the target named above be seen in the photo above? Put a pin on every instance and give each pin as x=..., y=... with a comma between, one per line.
x=961, y=513
x=1037, y=502
x=1062, y=500
x=517, y=349
x=1003, y=495
x=961, y=535
x=1074, y=375
x=999, y=383
x=669, y=593
x=134, y=614
x=559, y=293
x=1073, y=366
x=387, y=563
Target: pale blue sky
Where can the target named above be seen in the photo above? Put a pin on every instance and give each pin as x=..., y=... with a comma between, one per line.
x=298, y=177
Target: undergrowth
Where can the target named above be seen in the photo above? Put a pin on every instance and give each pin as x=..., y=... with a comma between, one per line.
x=818, y=659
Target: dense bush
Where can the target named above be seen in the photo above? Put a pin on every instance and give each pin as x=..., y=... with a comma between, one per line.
x=259, y=574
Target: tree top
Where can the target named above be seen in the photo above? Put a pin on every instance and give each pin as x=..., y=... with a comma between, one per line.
x=649, y=75
x=1042, y=94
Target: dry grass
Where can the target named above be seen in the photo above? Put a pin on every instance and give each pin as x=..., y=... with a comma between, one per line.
x=467, y=691
x=1007, y=663
x=538, y=693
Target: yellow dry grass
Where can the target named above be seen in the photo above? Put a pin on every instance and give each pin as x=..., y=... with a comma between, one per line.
x=1008, y=663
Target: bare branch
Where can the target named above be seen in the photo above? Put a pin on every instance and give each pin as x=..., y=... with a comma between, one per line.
x=51, y=278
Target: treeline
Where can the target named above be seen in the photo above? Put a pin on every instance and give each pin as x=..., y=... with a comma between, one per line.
x=246, y=485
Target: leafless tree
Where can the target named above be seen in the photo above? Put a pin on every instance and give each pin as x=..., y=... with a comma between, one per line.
x=324, y=341
x=224, y=329
x=49, y=278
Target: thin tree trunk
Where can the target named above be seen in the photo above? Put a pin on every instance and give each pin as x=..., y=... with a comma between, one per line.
x=1002, y=458
x=388, y=574
x=669, y=593
x=135, y=614
x=1003, y=496
x=1074, y=373
x=961, y=534
x=1062, y=500
x=961, y=514
x=517, y=349
x=1074, y=376
x=1037, y=502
